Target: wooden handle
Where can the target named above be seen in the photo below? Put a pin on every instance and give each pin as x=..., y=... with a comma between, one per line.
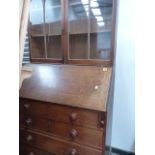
x=28, y=121
x=73, y=133
x=29, y=138
x=102, y=122
x=26, y=106
x=31, y=153
x=73, y=117
x=73, y=152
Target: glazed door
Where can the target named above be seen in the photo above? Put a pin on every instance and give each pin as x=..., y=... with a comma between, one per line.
x=53, y=24
x=45, y=31
x=74, y=31
x=90, y=31
x=37, y=30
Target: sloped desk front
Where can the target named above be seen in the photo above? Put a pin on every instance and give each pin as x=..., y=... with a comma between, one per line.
x=78, y=86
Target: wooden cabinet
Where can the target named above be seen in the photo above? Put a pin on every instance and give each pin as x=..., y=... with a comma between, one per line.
x=72, y=31
x=63, y=110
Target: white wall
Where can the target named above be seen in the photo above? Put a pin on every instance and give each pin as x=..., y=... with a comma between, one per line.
x=123, y=115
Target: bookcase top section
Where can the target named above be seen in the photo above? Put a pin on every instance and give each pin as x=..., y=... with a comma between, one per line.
x=78, y=86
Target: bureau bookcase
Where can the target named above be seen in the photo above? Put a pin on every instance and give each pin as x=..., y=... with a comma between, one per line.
x=64, y=104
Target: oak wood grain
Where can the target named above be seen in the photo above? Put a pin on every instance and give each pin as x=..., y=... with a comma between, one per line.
x=55, y=145
x=89, y=137
x=29, y=150
x=61, y=113
x=79, y=86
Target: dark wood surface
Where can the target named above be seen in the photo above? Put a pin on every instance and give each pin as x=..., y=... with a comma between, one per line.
x=37, y=46
x=60, y=113
x=55, y=145
x=73, y=124
x=54, y=47
x=79, y=86
x=71, y=133
x=29, y=150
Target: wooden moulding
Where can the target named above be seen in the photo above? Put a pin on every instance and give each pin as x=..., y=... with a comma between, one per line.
x=78, y=86
x=23, y=17
x=26, y=72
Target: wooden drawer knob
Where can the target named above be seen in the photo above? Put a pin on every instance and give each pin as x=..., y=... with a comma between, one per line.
x=29, y=138
x=73, y=133
x=73, y=152
x=27, y=106
x=96, y=87
x=28, y=121
x=102, y=122
x=31, y=153
x=73, y=117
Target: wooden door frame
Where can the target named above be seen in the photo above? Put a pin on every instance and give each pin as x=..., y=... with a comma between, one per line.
x=91, y=61
x=48, y=60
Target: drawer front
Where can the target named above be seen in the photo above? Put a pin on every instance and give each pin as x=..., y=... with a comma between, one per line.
x=55, y=145
x=74, y=116
x=86, y=136
x=28, y=150
x=35, y=123
x=35, y=108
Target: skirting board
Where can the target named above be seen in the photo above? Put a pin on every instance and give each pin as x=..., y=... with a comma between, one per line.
x=119, y=151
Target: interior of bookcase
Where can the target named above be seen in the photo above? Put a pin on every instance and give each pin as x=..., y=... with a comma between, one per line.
x=84, y=42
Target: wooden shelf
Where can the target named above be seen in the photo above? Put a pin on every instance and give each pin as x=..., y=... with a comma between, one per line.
x=47, y=35
x=74, y=28
x=37, y=35
x=76, y=33
x=71, y=33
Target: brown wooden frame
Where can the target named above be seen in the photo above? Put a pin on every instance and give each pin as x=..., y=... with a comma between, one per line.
x=91, y=61
x=48, y=60
x=65, y=42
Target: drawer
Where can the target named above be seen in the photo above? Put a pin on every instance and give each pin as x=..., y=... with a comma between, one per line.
x=32, y=107
x=60, y=113
x=81, y=135
x=55, y=145
x=28, y=150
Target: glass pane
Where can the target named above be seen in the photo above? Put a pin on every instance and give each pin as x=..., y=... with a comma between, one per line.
x=37, y=29
x=53, y=17
x=78, y=12
x=36, y=17
x=100, y=29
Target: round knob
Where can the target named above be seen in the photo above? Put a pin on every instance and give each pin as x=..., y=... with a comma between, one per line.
x=29, y=138
x=73, y=117
x=26, y=106
x=28, y=121
x=102, y=122
x=31, y=153
x=73, y=133
x=73, y=152
x=96, y=87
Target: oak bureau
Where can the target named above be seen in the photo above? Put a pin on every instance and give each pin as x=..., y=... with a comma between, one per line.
x=63, y=110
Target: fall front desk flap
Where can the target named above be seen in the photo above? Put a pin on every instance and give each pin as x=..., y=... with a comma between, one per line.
x=77, y=86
